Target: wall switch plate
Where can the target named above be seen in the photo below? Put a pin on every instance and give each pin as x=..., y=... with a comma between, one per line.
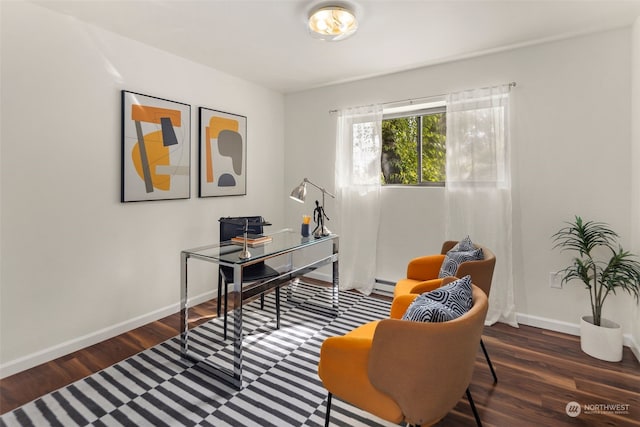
x=555, y=280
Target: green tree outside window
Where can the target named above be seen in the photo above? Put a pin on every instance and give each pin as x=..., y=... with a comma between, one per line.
x=407, y=139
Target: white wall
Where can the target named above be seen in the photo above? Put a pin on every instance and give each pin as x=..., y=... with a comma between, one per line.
x=571, y=156
x=77, y=265
x=635, y=135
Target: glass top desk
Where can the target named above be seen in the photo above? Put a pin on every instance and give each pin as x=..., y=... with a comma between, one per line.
x=284, y=242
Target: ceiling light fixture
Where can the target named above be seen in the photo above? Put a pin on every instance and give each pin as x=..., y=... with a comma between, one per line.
x=332, y=22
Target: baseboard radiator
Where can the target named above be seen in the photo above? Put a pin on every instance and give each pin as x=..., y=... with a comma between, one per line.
x=384, y=287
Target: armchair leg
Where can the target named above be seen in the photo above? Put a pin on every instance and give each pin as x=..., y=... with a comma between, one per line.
x=486, y=355
x=328, y=414
x=473, y=408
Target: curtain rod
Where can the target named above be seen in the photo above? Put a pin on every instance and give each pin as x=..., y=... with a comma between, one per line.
x=410, y=101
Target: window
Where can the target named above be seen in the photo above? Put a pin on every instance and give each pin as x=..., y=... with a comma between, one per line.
x=413, y=145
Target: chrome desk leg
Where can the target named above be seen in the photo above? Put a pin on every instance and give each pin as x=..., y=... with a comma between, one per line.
x=237, y=325
x=184, y=309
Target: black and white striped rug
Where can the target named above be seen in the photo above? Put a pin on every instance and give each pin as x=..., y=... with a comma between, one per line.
x=281, y=386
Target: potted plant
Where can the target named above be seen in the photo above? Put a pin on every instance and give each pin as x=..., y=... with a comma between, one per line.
x=604, y=267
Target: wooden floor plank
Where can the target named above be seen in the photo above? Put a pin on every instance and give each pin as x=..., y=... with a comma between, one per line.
x=539, y=373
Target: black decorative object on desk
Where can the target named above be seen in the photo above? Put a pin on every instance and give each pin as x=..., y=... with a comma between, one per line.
x=299, y=194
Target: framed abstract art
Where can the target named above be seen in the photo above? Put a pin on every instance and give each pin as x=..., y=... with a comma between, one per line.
x=156, y=152
x=223, y=154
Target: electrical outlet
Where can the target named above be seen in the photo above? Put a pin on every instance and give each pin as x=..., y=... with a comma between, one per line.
x=555, y=280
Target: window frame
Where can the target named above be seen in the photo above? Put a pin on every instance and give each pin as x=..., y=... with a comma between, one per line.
x=418, y=111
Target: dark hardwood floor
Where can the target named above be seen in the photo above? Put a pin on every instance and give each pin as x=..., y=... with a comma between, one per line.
x=539, y=373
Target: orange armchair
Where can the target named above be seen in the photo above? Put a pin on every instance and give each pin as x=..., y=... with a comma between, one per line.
x=422, y=272
x=422, y=276
x=405, y=371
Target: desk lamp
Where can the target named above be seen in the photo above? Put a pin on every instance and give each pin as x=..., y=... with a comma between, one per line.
x=299, y=194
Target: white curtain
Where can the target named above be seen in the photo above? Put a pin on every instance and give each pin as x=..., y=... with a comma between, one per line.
x=358, y=149
x=478, y=185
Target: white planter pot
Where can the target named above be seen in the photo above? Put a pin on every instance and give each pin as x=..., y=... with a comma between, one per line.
x=602, y=342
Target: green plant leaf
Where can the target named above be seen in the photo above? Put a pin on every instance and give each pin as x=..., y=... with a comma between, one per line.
x=600, y=276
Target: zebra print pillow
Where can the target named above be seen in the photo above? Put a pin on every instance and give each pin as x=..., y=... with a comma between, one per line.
x=457, y=296
x=423, y=309
x=443, y=304
x=464, y=245
x=454, y=258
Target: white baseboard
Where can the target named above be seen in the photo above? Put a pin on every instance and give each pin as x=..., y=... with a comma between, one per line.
x=51, y=353
x=385, y=288
x=571, y=329
x=549, y=324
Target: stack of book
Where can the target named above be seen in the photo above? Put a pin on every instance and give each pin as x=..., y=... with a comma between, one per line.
x=252, y=239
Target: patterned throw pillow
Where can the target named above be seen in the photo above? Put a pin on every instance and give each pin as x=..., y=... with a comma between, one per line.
x=423, y=309
x=464, y=245
x=463, y=251
x=457, y=296
x=443, y=304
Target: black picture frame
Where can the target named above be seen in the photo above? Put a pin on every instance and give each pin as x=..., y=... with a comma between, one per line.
x=222, y=162
x=156, y=148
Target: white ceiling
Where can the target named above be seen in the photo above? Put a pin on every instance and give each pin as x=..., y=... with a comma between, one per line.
x=266, y=41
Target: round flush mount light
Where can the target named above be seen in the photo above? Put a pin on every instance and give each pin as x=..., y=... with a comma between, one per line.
x=332, y=22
